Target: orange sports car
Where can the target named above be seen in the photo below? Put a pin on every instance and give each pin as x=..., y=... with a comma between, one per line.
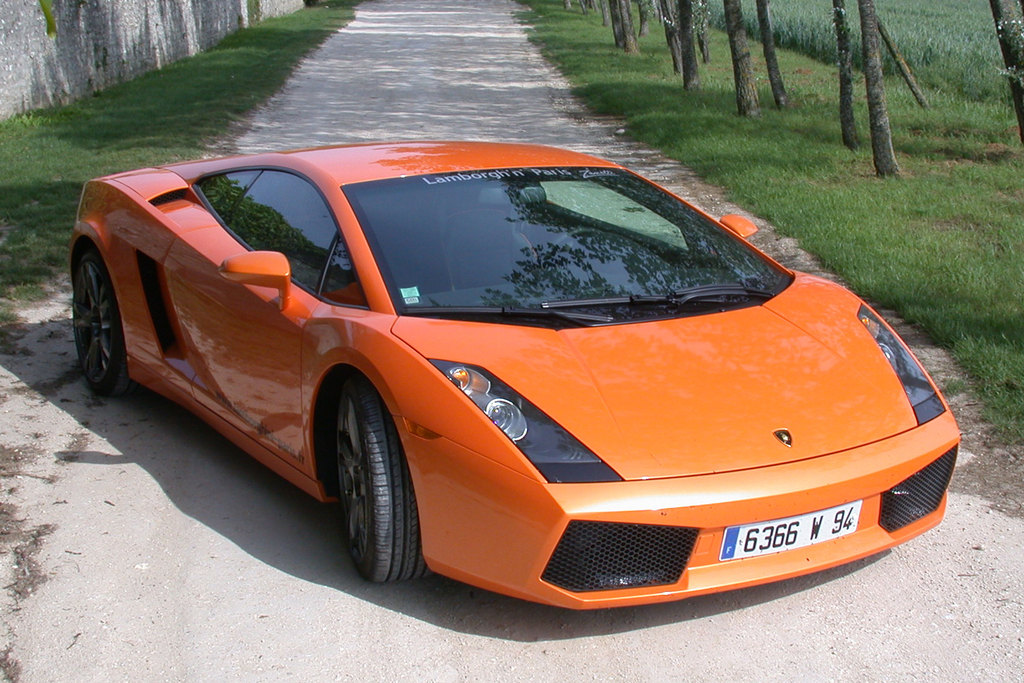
x=521, y=367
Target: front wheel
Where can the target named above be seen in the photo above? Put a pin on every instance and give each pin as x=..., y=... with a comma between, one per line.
x=99, y=337
x=379, y=513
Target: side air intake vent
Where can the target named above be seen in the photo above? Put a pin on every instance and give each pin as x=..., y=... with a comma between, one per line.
x=150, y=276
x=168, y=197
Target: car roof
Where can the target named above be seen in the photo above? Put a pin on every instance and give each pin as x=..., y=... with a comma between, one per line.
x=346, y=164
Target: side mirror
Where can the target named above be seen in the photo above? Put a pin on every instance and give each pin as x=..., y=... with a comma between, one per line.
x=740, y=225
x=260, y=269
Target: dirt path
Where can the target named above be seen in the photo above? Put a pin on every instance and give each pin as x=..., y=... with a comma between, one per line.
x=149, y=548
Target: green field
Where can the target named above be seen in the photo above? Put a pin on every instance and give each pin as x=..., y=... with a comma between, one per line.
x=950, y=44
x=943, y=244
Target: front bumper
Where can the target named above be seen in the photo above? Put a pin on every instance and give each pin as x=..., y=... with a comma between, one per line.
x=488, y=526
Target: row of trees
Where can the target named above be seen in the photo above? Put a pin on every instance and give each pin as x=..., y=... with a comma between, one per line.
x=686, y=24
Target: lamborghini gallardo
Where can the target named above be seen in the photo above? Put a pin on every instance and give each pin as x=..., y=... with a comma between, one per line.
x=527, y=369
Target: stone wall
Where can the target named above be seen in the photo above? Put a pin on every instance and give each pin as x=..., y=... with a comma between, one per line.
x=102, y=42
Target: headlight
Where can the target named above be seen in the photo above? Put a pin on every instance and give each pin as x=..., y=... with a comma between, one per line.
x=558, y=455
x=925, y=401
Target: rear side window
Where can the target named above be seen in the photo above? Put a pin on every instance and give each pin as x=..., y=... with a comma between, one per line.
x=273, y=210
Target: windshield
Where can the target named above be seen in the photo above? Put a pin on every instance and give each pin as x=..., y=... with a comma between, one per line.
x=595, y=238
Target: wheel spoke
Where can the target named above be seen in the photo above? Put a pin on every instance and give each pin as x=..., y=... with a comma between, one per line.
x=81, y=298
x=93, y=311
x=352, y=427
x=95, y=287
x=357, y=529
x=103, y=310
x=352, y=478
x=94, y=361
x=104, y=344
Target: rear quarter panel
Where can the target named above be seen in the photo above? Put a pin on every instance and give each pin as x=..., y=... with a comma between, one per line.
x=119, y=222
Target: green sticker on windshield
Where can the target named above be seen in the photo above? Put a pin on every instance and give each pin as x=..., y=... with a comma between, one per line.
x=411, y=295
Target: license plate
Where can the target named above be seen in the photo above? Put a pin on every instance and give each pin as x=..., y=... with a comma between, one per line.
x=764, y=538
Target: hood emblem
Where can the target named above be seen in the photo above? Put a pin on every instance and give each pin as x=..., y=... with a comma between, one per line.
x=784, y=437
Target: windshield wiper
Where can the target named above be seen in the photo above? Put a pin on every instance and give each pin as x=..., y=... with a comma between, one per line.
x=714, y=291
x=577, y=319
x=599, y=301
x=679, y=297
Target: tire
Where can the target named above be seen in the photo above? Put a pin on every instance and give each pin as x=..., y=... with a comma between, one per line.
x=99, y=337
x=379, y=517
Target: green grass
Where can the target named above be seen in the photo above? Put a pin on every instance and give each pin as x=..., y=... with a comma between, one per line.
x=167, y=115
x=950, y=44
x=943, y=244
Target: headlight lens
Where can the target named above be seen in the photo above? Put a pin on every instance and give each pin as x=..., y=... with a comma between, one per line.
x=925, y=401
x=558, y=455
x=507, y=417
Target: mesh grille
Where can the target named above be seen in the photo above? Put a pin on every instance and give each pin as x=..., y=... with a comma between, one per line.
x=918, y=495
x=595, y=556
x=168, y=197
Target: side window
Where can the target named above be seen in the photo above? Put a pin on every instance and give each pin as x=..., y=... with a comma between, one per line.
x=276, y=211
x=225, y=191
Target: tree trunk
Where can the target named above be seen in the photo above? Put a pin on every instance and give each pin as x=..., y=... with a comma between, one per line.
x=567, y=4
x=846, y=119
x=606, y=18
x=743, y=73
x=901, y=64
x=691, y=78
x=670, y=21
x=701, y=21
x=583, y=7
x=629, y=33
x=1011, y=42
x=881, y=134
x=644, y=9
x=764, y=20
x=615, y=10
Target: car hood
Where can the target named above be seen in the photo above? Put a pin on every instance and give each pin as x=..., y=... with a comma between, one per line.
x=699, y=394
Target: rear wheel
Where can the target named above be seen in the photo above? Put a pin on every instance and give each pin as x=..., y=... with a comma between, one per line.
x=379, y=513
x=99, y=337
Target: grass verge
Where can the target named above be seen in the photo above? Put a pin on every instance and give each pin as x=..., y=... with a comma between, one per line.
x=943, y=245
x=167, y=115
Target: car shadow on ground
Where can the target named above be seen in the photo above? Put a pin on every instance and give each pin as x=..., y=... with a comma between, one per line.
x=211, y=481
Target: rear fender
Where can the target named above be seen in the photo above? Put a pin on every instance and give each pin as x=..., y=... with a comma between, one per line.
x=120, y=223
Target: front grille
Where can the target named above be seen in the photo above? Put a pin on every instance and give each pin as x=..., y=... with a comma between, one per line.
x=918, y=495
x=594, y=556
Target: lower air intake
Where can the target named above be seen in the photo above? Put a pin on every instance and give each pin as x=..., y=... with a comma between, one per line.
x=596, y=556
x=917, y=496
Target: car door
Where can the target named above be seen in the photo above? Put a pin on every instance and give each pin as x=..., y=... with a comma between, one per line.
x=246, y=349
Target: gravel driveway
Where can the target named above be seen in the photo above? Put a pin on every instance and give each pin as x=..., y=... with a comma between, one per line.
x=151, y=549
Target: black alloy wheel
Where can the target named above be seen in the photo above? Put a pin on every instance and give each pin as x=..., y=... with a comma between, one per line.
x=99, y=337
x=379, y=516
